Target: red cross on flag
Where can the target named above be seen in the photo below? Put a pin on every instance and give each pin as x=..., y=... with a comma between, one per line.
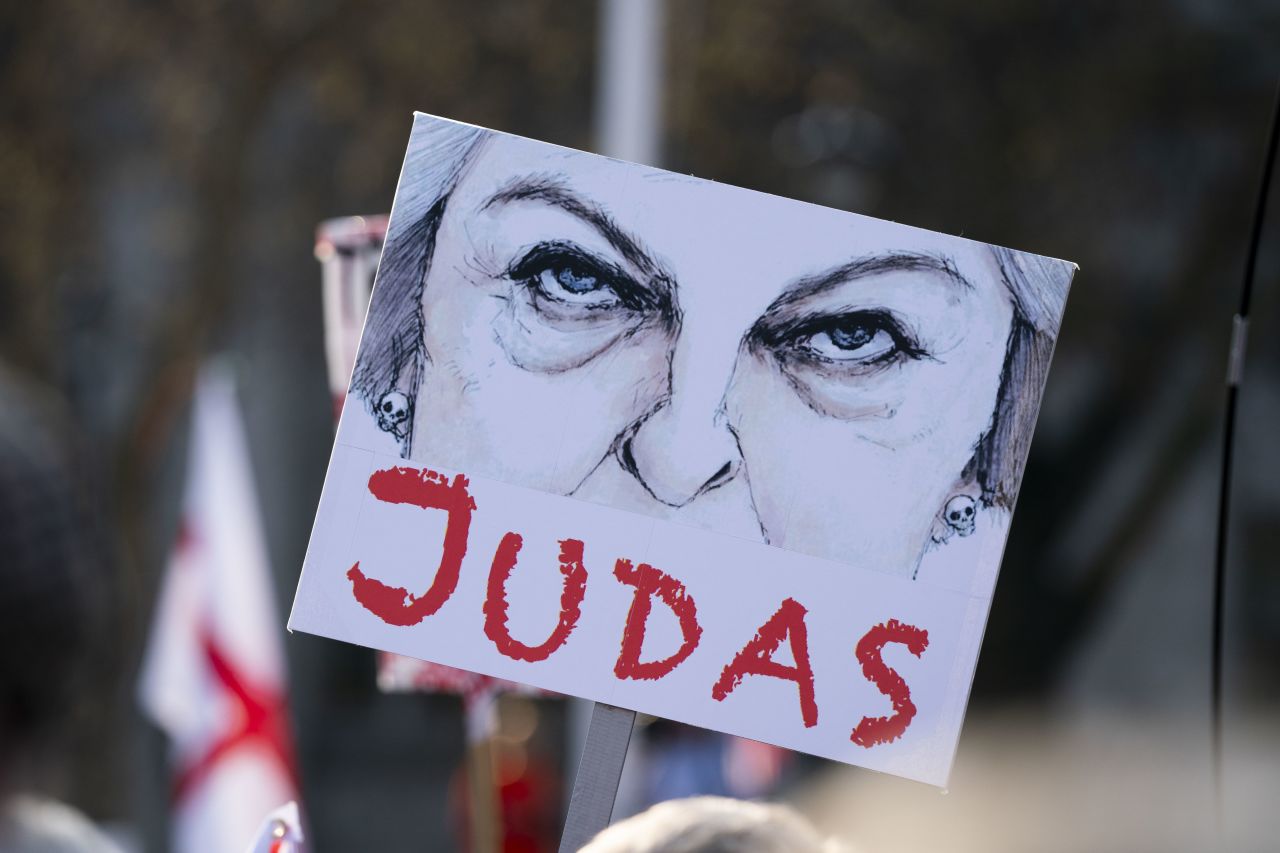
x=213, y=676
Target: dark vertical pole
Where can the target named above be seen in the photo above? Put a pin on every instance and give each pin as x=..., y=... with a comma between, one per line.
x=1235, y=373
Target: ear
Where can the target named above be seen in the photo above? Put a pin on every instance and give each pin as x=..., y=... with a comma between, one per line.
x=958, y=513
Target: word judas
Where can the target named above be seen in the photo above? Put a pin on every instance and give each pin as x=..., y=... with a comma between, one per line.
x=433, y=491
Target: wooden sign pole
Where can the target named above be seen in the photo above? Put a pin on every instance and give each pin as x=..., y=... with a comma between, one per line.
x=595, y=787
x=486, y=810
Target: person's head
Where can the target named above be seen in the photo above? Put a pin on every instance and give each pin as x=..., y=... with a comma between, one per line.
x=822, y=381
x=45, y=599
x=711, y=825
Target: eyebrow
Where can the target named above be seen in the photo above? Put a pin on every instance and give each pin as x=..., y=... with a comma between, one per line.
x=786, y=312
x=864, y=267
x=549, y=190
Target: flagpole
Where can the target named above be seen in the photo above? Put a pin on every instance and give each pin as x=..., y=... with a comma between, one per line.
x=629, y=127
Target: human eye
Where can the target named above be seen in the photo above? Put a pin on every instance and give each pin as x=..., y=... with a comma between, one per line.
x=566, y=305
x=563, y=277
x=843, y=362
x=857, y=340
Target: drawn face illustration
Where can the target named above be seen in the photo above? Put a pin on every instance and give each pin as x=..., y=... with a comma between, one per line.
x=711, y=356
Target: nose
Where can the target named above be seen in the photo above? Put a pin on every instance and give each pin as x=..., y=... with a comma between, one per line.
x=684, y=448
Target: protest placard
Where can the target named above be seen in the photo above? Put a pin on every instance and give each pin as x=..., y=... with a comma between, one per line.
x=681, y=447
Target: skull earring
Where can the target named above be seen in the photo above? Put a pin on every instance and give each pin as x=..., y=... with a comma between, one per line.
x=393, y=413
x=960, y=515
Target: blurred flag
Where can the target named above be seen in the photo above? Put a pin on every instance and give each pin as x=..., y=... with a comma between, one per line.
x=213, y=676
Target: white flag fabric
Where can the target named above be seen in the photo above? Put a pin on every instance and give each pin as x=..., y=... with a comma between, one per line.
x=213, y=676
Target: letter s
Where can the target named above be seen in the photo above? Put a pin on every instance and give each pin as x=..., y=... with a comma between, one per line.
x=874, y=730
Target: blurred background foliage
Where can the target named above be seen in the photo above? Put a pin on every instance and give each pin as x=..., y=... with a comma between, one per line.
x=164, y=167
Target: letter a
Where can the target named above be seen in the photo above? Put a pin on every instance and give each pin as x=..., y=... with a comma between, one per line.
x=756, y=658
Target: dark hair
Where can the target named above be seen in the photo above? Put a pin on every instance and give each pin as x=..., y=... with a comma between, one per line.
x=1038, y=288
x=391, y=352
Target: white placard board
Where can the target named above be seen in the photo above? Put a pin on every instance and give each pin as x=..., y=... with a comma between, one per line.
x=681, y=447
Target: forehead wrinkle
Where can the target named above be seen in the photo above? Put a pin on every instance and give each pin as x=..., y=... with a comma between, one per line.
x=550, y=189
x=867, y=266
